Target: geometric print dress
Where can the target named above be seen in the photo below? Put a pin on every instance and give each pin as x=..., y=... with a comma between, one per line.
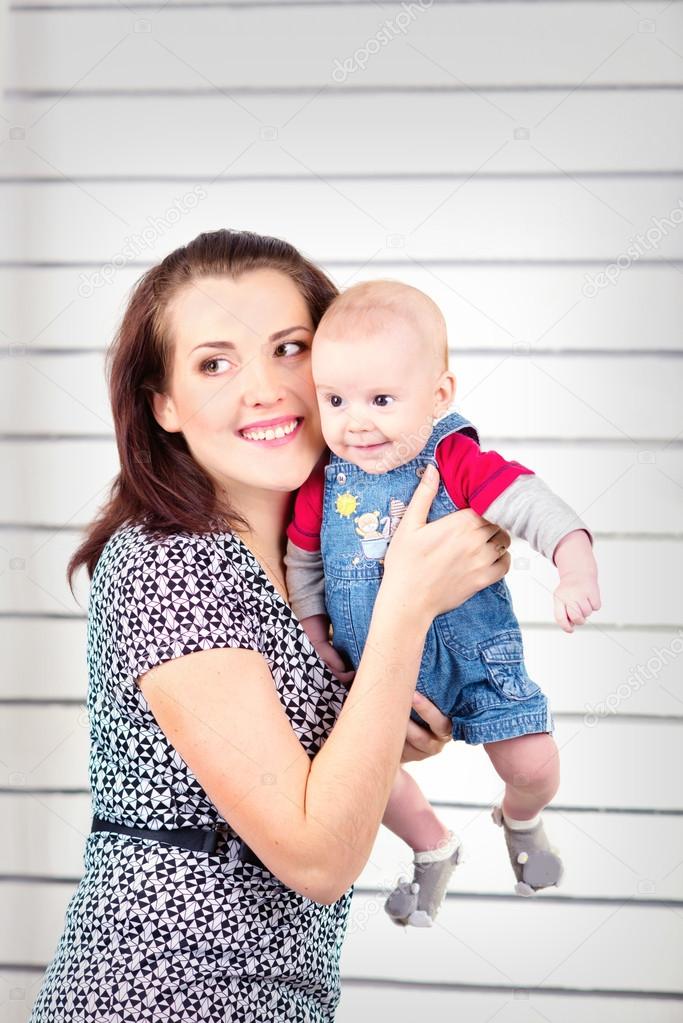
x=159, y=933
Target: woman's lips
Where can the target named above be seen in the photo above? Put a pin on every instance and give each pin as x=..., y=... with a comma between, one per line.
x=275, y=442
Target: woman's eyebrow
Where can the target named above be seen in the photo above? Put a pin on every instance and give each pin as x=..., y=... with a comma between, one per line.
x=231, y=346
x=290, y=330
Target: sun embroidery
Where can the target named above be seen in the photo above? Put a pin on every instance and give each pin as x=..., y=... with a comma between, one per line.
x=346, y=504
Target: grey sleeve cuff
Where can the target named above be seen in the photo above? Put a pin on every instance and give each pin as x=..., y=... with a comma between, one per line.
x=529, y=509
x=305, y=581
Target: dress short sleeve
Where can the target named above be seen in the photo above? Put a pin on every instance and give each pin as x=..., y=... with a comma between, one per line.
x=177, y=595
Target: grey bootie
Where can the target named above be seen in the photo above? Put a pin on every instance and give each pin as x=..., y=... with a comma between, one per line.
x=535, y=863
x=415, y=903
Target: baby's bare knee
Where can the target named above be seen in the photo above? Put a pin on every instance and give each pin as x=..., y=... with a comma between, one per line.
x=528, y=762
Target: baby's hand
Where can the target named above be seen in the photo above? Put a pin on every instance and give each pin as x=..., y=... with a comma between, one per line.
x=332, y=658
x=577, y=596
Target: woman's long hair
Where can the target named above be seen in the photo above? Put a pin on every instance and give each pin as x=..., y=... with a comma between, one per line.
x=159, y=482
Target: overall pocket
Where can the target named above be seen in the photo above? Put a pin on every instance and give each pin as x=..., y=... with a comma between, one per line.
x=503, y=660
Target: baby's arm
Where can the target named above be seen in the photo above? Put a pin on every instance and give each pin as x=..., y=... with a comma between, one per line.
x=512, y=496
x=306, y=588
x=528, y=508
x=578, y=594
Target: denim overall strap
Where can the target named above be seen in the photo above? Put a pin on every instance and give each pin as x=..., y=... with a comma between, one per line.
x=453, y=422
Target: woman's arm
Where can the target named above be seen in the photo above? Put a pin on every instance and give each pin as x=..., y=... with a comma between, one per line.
x=313, y=823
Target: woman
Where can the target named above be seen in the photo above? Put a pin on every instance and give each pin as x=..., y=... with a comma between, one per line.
x=237, y=789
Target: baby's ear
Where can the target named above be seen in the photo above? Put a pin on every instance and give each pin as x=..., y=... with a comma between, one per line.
x=445, y=391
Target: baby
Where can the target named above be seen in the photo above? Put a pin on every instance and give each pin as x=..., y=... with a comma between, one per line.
x=380, y=366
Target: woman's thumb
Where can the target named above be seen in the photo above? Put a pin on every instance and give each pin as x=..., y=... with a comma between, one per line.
x=421, y=500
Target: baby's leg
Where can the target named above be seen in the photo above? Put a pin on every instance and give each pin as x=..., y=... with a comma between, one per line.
x=410, y=816
x=437, y=851
x=529, y=766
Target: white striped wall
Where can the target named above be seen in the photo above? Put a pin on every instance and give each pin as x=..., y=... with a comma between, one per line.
x=499, y=155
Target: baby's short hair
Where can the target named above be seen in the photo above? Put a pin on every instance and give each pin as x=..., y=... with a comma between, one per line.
x=380, y=302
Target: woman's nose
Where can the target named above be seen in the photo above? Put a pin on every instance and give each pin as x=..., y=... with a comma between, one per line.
x=262, y=382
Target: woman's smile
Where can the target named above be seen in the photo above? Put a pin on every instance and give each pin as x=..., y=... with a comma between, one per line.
x=275, y=433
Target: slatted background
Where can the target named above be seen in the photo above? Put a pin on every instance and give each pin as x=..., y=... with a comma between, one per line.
x=500, y=156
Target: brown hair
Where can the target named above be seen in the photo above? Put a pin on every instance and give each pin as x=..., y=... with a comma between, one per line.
x=159, y=482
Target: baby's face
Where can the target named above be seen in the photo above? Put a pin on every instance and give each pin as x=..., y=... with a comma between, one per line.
x=378, y=393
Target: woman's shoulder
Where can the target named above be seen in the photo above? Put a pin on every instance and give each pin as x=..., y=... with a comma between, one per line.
x=166, y=595
x=135, y=551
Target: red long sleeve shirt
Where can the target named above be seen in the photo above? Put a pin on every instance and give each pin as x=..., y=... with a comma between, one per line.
x=473, y=478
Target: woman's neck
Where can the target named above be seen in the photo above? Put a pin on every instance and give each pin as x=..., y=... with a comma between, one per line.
x=268, y=514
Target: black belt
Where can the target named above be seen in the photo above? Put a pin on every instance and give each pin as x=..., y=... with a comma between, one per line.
x=197, y=839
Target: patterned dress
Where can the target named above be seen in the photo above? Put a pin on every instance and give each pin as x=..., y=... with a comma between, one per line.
x=159, y=933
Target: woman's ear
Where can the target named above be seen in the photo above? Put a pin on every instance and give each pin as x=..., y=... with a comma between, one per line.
x=444, y=393
x=164, y=412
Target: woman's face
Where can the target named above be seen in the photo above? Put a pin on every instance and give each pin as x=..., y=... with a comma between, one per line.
x=241, y=361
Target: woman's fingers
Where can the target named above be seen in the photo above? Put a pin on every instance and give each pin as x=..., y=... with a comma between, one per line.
x=500, y=540
x=420, y=743
x=430, y=713
x=418, y=507
x=345, y=677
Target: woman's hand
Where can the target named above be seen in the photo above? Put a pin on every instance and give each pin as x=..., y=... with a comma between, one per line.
x=421, y=743
x=431, y=567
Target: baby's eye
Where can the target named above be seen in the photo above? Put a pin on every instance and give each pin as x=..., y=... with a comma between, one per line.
x=384, y=400
x=335, y=400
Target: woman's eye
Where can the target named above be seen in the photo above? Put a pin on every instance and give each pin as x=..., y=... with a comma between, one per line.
x=301, y=345
x=335, y=400
x=210, y=362
x=384, y=400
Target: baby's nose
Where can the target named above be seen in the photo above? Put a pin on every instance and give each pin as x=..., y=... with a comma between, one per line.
x=357, y=422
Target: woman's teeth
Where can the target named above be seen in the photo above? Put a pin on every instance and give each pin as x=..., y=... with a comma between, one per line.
x=272, y=432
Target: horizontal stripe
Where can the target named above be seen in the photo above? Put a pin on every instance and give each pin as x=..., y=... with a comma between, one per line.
x=648, y=443
x=509, y=988
x=598, y=534
x=147, y=179
x=574, y=900
x=248, y=4
x=380, y=982
x=462, y=353
x=337, y=90
x=639, y=811
x=559, y=715
x=664, y=627
x=602, y=261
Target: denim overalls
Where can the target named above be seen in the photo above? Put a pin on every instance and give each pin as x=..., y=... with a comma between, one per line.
x=473, y=661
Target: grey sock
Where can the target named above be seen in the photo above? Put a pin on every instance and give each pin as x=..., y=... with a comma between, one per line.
x=535, y=864
x=416, y=903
